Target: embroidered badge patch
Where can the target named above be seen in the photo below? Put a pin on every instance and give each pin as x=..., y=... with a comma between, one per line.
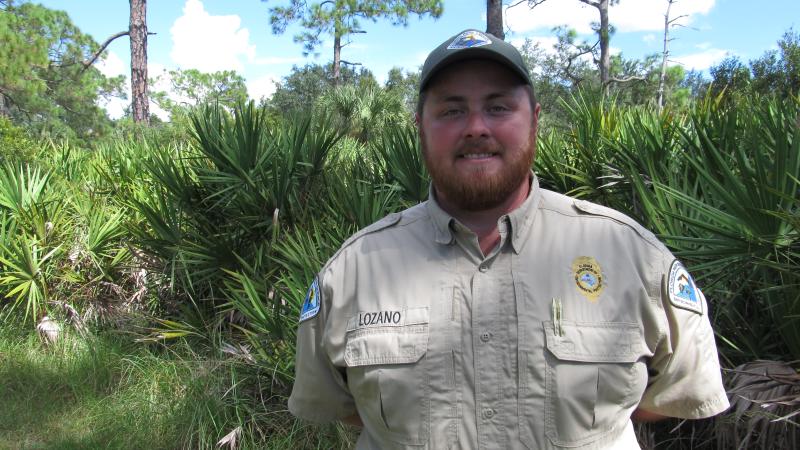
x=469, y=39
x=588, y=277
x=683, y=293
x=312, y=302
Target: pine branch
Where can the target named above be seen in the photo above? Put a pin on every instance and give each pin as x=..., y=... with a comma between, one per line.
x=102, y=48
x=626, y=79
x=531, y=3
x=591, y=3
x=90, y=61
x=14, y=103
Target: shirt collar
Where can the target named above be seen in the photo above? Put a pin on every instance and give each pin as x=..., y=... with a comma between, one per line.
x=441, y=220
x=520, y=219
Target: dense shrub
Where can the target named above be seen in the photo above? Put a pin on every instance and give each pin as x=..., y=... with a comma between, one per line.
x=218, y=236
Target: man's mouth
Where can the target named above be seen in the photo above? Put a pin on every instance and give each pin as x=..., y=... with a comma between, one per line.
x=477, y=155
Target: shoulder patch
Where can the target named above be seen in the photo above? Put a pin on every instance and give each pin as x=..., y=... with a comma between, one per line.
x=682, y=291
x=469, y=39
x=312, y=303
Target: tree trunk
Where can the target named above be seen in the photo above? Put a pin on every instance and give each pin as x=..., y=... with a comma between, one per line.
x=605, y=56
x=664, y=56
x=4, y=109
x=138, y=37
x=603, y=34
x=337, y=58
x=494, y=18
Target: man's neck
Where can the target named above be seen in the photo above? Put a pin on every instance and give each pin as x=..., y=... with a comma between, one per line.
x=484, y=222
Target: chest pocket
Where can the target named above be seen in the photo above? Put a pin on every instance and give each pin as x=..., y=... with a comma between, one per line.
x=595, y=377
x=387, y=374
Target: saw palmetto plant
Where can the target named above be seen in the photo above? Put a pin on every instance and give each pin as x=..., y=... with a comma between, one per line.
x=218, y=237
x=746, y=165
x=719, y=185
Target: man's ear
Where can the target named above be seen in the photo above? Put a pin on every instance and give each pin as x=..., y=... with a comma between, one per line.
x=418, y=125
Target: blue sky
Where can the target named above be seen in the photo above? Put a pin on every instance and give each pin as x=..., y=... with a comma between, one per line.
x=212, y=35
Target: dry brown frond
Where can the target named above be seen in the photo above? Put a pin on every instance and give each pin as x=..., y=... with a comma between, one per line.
x=764, y=397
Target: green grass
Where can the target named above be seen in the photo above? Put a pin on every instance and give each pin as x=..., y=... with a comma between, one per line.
x=104, y=392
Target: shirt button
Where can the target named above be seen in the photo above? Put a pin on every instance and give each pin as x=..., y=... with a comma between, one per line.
x=483, y=268
x=488, y=413
x=485, y=336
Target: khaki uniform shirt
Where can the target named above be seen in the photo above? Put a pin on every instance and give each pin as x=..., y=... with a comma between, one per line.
x=578, y=317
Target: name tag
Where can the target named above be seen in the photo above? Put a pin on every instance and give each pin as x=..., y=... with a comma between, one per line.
x=388, y=318
x=379, y=318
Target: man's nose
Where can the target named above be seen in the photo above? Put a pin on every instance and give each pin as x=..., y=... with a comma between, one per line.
x=476, y=125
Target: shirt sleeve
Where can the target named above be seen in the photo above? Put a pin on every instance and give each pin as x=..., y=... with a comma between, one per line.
x=320, y=392
x=685, y=378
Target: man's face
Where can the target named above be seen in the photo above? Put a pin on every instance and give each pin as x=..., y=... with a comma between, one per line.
x=478, y=134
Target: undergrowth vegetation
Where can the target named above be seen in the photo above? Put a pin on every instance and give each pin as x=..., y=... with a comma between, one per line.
x=105, y=391
x=175, y=266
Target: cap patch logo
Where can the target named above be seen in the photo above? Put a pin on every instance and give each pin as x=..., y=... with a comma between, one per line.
x=469, y=39
x=683, y=293
x=312, y=303
x=588, y=277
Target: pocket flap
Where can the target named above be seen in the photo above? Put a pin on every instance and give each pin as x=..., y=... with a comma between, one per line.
x=619, y=342
x=396, y=342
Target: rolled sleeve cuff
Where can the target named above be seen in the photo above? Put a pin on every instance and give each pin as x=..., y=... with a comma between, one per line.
x=310, y=409
x=690, y=409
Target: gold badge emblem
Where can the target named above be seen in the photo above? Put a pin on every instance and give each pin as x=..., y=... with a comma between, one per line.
x=588, y=277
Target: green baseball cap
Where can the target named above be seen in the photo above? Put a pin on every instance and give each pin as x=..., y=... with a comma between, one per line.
x=473, y=44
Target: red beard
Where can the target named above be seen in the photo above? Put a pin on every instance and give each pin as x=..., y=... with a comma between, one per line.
x=479, y=190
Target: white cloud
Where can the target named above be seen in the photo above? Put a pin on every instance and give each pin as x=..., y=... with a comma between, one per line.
x=702, y=60
x=162, y=82
x=649, y=38
x=160, y=76
x=703, y=45
x=516, y=42
x=115, y=107
x=268, y=61
x=111, y=65
x=159, y=73
x=262, y=87
x=545, y=43
x=549, y=15
x=628, y=15
x=209, y=43
x=419, y=58
x=648, y=15
x=158, y=112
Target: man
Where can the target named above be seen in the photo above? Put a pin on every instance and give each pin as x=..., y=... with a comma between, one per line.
x=498, y=314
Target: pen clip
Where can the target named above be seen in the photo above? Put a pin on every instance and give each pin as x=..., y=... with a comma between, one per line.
x=558, y=327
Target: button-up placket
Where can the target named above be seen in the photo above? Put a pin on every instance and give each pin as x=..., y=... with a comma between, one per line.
x=485, y=292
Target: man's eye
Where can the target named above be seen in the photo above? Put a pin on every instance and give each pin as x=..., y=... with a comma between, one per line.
x=497, y=109
x=450, y=112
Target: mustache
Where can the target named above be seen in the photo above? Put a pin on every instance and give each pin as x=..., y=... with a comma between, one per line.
x=478, y=147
